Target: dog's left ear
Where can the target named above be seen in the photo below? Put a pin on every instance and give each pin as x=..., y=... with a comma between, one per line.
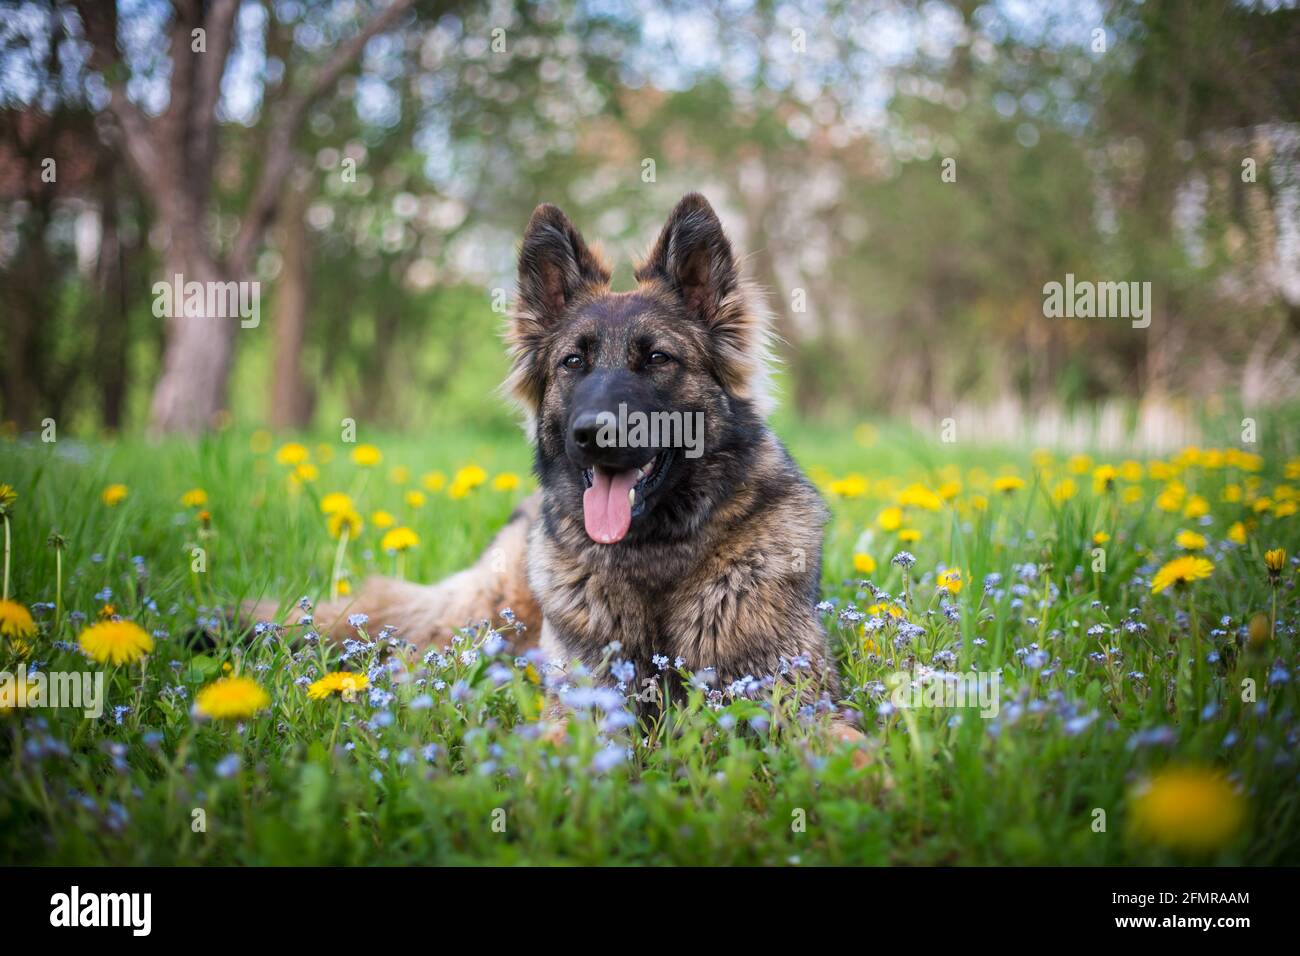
x=693, y=257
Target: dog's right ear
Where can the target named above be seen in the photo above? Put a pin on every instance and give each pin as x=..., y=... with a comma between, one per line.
x=555, y=267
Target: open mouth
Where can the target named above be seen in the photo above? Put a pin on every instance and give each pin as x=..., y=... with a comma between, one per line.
x=614, y=498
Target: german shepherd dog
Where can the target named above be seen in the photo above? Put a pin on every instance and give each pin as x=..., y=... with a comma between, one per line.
x=711, y=554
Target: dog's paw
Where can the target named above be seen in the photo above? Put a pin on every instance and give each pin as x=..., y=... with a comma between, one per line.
x=556, y=732
x=846, y=735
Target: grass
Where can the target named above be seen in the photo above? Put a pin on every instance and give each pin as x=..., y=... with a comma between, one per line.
x=1116, y=740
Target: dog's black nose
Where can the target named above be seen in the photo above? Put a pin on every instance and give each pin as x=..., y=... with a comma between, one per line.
x=585, y=428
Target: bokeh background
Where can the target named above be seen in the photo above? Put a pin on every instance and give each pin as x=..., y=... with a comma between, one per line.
x=373, y=165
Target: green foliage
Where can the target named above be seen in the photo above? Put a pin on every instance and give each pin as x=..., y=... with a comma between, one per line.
x=717, y=780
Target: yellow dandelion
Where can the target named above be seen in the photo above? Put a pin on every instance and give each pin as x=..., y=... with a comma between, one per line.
x=850, y=486
x=864, y=563
x=909, y=535
x=1182, y=570
x=115, y=642
x=382, y=519
x=1190, y=809
x=1160, y=470
x=367, y=456
x=306, y=472
x=1171, y=497
x=399, y=539
x=1190, y=541
x=292, y=453
x=1006, y=484
x=194, y=498
x=7, y=498
x=344, y=683
x=1285, y=509
x=1237, y=533
x=345, y=587
x=1249, y=461
x=979, y=502
x=415, y=499
x=1101, y=537
x=1079, y=464
x=1259, y=631
x=433, y=481
x=15, y=620
x=1197, y=507
x=1130, y=470
x=231, y=698
x=506, y=481
x=335, y=502
x=883, y=610
x=114, y=495
x=950, y=581
x=1064, y=490
x=399, y=474
x=349, y=520
x=1103, y=479
x=1275, y=561
x=891, y=519
x=948, y=490
x=921, y=497
x=471, y=476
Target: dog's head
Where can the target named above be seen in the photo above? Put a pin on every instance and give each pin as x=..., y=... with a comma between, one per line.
x=629, y=393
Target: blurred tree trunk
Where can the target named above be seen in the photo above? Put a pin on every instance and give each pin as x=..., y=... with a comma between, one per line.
x=27, y=300
x=292, y=396
x=29, y=282
x=174, y=159
x=111, y=337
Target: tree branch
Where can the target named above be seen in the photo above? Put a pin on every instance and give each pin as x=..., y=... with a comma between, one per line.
x=219, y=26
x=187, y=16
x=99, y=20
x=280, y=154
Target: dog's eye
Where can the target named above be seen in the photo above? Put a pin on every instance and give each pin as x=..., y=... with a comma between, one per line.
x=659, y=358
x=573, y=361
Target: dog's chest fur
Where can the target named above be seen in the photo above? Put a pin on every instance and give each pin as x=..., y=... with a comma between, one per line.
x=737, y=596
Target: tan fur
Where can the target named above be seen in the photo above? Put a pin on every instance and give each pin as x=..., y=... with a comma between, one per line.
x=428, y=614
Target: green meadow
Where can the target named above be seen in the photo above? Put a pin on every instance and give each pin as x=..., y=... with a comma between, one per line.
x=1133, y=619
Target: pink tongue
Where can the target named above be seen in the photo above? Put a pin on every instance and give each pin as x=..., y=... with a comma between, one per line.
x=605, y=507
